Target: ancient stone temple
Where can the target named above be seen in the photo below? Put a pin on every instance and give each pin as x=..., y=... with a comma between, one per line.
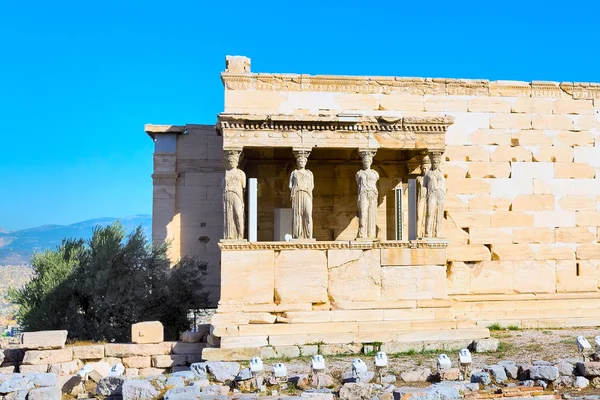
x=340, y=209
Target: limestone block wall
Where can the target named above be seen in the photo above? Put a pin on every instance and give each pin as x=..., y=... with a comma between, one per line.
x=521, y=161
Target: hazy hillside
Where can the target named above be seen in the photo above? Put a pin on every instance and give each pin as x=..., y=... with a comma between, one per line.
x=16, y=248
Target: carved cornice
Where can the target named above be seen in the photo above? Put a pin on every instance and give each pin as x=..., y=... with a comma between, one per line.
x=308, y=123
x=165, y=179
x=416, y=86
x=336, y=245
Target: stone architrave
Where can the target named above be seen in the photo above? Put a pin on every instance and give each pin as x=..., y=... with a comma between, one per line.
x=301, y=186
x=367, y=179
x=422, y=196
x=234, y=186
x=435, y=183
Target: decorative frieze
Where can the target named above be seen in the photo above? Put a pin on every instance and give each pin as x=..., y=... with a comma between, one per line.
x=165, y=179
x=334, y=245
x=414, y=86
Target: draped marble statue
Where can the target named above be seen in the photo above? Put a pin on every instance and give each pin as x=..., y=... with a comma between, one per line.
x=367, y=179
x=422, y=196
x=234, y=185
x=301, y=187
x=435, y=184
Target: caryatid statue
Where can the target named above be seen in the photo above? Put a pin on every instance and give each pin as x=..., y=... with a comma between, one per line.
x=234, y=186
x=367, y=179
x=436, y=195
x=422, y=196
x=302, y=184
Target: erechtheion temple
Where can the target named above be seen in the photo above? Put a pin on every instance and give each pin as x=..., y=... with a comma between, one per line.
x=355, y=209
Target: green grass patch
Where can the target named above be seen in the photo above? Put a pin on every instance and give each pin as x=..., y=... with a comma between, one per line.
x=513, y=328
x=495, y=327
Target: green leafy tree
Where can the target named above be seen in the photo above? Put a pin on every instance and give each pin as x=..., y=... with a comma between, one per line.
x=97, y=288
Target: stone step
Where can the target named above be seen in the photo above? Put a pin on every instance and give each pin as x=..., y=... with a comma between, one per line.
x=411, y=314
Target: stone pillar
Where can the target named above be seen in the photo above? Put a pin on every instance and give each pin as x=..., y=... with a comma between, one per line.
x=165, y=220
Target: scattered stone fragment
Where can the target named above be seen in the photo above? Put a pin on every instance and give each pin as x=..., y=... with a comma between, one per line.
x=110, y=385
x=541, y=363
x=244, y=374
x=309, y=350
x=528, y=383
x=138, y=389
x=202, y=383
x=356, y=391
x=523, y=373
x=301, y=381
x=481, y=377
x=175, y=381
x=322, y=380
x=485, y=345
x=416, y=375
x=565, y=368
x=387, y=379
x=316, y=396
x=541, y=383
x=44, y=340
x=511, y=369
x=221, y=371
x=184, y=393
x=547, y=373
x=563, y=382
x=596, y=382
x=349, y=377
x=117, y=370
x=450, y=375
x=497, y=372
x=42, y=380
x=100, y=370
x=186, y=375
x=215, y=390
x=581, y=382
x=15, y=384
x=45, y=393
x=473, y=387
x=589, y=368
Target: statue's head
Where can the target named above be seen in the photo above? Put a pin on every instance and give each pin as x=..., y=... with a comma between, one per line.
x=425, y=165
x=232, y=158
x=301, y=158
x=436, y=159
x=367, y=158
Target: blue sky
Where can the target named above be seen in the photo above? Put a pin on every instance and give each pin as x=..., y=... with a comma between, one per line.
x=78, y=80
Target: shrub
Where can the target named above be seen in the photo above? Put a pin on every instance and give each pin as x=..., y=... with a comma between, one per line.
x=97, y=288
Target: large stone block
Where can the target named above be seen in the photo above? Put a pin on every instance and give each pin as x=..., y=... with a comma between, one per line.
x=535, y=277
x=571, y=106
x=88, y=352
x=510, y=121
x=574, y=170
x=489, y=169
x=128, y=350
x=508, y=153
x=489, y=104
x=511, y=252
x=468, y=253
x=401, y=102
x=554, y=252
x=552, y=122
x=38, y=357
x=534, y=235
x=458, y=278
x=553, y=219
x=531, y=170
x=147, y=332
x=498, y=137
x=300, y=276
x=531, y=137
x=533, y=202
x=527, y=105
x=445, y=103
x=467, y=186
x=492, y=277
x=511, y=219
x=553, y=154
x=468, y=219
x=580, y=234
x=247, y=277
x=587, y=218
x=354, y=275
x=137, y=362
x=490, y=235
x=510, y=188
x=571, y=138
x=577, y=202
x=44, y=340
x=588, y=251
x=414, y=282
x=246, y=100
x=576, y=276
x=423, y=256
x=466, y=153
x=489, y=203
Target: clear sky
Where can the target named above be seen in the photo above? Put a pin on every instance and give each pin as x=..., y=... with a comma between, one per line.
x=78, y=80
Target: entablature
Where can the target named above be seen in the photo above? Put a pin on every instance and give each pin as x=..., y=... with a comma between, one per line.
x=342, y=130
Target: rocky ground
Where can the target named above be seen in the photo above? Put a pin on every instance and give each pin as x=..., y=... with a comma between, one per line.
x=544, y=364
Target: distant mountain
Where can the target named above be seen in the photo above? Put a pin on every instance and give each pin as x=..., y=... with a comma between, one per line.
x=17, y=247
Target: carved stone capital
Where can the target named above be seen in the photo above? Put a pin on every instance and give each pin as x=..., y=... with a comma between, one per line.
x=301, y=152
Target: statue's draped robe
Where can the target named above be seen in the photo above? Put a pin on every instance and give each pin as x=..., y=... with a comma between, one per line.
x=233, y=203
x=421, y=205
x=436, y=194
x=367, y=203
x=302, y=185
